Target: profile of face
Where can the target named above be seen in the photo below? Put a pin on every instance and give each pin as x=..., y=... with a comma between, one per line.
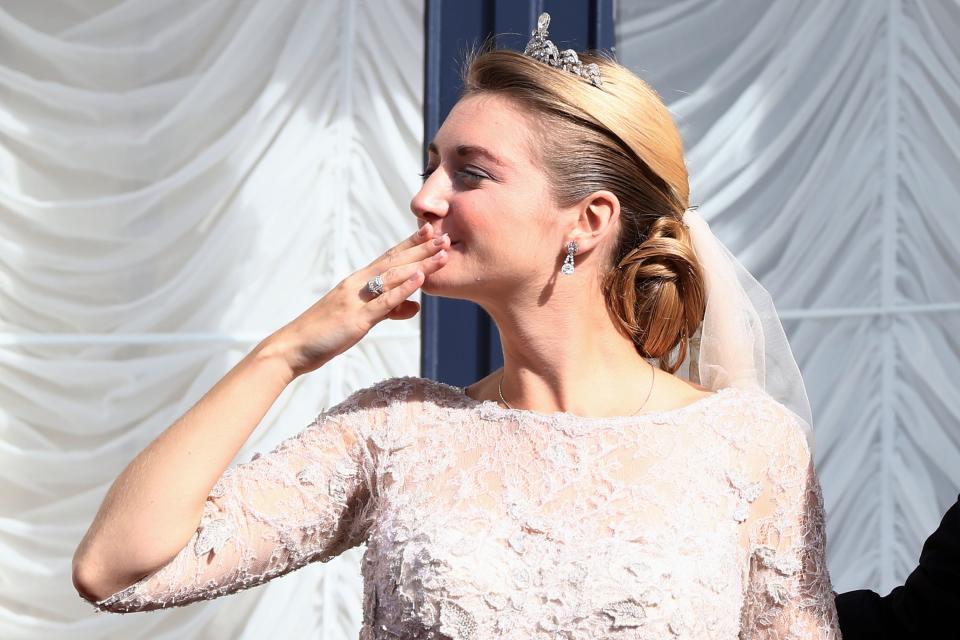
x=485, y=188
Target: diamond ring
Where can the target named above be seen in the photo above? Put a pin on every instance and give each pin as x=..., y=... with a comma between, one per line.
x=375, y=285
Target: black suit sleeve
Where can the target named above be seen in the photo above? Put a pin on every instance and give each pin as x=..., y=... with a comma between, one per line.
x=925, y=606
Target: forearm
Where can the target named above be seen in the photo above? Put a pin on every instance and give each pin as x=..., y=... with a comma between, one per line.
x=155, y=505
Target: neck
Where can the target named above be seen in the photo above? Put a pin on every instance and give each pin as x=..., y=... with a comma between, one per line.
x=564, y=355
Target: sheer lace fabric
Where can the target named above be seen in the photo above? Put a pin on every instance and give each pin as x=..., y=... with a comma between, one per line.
x=699, y=522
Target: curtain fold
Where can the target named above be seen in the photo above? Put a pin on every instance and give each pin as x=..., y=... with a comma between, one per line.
x=823, y=143
x=178, y=180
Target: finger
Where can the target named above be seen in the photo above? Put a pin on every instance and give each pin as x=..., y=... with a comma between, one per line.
x=381, y=306
x=421, y=235
x=405, y=310
x=394, y=276
x=410, y=256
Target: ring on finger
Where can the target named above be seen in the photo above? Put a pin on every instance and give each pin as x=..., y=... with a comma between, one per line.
x=375, y=285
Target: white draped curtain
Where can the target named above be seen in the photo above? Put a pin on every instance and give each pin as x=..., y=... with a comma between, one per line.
x=178, y=179
x=823, y=143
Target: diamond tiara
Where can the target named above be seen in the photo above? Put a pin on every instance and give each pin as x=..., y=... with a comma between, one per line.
x=542, y=49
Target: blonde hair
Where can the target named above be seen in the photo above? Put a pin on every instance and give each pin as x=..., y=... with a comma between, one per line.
x=619, y=137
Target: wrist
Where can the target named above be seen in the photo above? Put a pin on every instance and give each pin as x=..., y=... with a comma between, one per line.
x=272, y=354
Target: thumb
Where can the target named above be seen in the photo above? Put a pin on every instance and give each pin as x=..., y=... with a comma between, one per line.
x=405, y=310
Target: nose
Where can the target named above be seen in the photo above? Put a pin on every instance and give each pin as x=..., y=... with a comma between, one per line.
x=430, y=204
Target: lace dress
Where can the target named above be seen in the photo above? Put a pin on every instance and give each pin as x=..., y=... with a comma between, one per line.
x=481, y=522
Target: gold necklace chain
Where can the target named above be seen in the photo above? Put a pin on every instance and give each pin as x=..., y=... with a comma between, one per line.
x=649, y=391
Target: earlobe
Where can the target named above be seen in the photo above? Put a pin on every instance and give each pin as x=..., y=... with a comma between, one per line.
x=567, y=268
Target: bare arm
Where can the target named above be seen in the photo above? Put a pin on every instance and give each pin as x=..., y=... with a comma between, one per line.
x=154, y=506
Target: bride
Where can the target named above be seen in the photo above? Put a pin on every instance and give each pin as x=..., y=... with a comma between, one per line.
x=577, y=492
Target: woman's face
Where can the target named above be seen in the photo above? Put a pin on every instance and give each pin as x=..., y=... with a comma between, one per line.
x=484, y=188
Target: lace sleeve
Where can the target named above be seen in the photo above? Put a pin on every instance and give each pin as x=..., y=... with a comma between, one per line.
x=789, y=595
x=307, y=500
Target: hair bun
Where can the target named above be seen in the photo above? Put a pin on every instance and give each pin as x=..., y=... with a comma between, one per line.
x=656, y=291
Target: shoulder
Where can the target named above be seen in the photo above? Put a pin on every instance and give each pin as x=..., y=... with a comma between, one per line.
x=766, y=428
x=388, y=412
x=773, y=457
x=389, y=393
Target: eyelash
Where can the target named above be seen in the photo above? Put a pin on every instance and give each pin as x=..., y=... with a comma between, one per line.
x=471, y=174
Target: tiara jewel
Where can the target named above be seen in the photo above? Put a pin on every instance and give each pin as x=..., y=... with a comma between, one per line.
x=544, y=50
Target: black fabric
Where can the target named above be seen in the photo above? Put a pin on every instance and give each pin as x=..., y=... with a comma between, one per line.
x=927, y=606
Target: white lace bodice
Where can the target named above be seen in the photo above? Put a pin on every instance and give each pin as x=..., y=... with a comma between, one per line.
x=482, y=522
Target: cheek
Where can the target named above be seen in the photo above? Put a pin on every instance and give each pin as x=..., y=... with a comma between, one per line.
x=494, y=230
x=472, y=231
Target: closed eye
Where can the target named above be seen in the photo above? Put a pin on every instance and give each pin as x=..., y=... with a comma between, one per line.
x=473, y=176
x=468, y=175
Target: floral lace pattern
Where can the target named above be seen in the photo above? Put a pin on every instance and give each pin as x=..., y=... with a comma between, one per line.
x=699, y=522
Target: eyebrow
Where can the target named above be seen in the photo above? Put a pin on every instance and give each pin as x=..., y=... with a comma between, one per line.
x=471, y=149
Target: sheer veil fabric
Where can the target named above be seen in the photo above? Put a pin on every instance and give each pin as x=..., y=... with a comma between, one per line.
x=741, y=342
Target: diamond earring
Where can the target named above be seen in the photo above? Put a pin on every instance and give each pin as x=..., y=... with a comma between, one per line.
x=567, y=268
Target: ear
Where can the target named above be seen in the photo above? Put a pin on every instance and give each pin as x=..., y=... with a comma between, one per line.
x=598, y=216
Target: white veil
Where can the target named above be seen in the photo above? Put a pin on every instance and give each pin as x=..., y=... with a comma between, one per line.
x=741, y=342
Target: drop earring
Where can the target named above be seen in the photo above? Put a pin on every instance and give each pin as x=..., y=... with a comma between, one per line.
x=567, y=268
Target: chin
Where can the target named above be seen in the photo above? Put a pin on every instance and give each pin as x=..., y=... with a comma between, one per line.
x=432, y=284
x=439, y=284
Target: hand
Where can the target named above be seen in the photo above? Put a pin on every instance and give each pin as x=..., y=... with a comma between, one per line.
x=347, y=312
